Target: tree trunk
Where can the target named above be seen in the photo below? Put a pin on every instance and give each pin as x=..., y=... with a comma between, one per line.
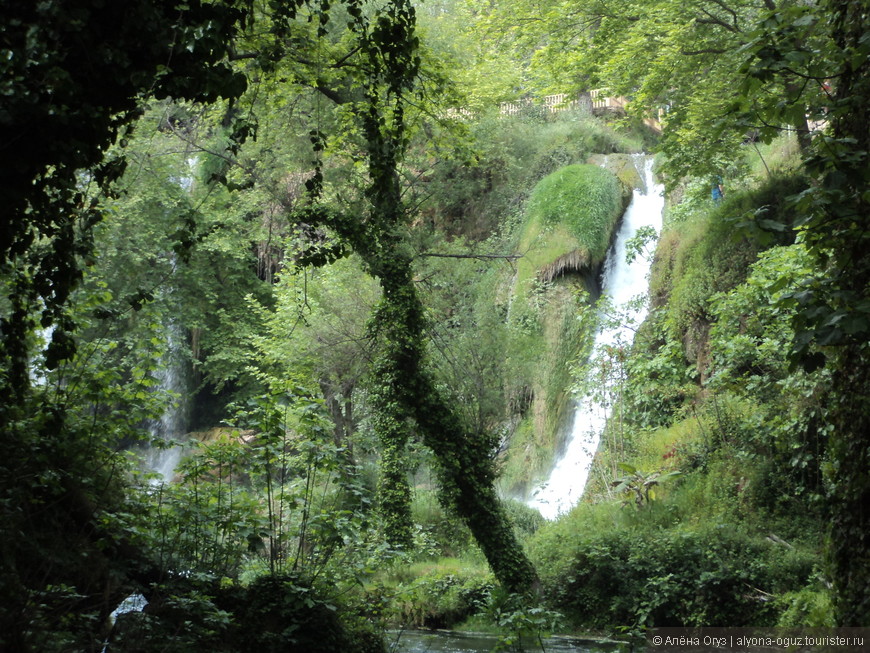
x=845, y=233
x=464, y=458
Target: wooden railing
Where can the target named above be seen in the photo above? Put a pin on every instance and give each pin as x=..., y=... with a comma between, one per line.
x=612, y=103
x=596, y=102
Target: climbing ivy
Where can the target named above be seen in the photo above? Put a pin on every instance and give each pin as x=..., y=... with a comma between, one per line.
x=404, y=393
x=832, y=309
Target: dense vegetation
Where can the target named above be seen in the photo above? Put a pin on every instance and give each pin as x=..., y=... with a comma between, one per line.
x=373, y=294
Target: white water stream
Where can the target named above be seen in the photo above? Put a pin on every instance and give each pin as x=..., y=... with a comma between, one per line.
x=170, y=428
x=173, y=377
x=621, y=281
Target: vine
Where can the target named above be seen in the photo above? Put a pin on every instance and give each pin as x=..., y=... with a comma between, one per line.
x=404, y=393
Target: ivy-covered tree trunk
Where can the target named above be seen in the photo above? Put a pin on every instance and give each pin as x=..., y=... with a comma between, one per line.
x=405, y=399
x=393, y=428
x=465, y=470
x=404, y=394
x=841, y=232
x=463, y=459
x=850, y=497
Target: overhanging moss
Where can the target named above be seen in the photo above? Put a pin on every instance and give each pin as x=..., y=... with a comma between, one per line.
x=586, y=200
x=571, y=219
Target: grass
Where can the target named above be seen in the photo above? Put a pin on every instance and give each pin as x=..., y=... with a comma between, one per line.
x=586, y=200
x=781, y=155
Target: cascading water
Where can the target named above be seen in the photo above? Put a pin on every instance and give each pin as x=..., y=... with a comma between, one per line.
x=164, y=454
x=621, y=281
x=173, y=378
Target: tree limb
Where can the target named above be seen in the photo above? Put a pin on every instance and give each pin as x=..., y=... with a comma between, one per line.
x=506, y=257
x=693, y=53
x=731, y=11
x=715, y=20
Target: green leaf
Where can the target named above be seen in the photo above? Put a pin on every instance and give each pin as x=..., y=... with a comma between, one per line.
x=628, y=468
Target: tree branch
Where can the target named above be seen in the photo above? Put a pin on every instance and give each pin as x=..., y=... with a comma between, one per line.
x=330, y=94
x=715, y=20
x=693, y=53
x=731, y=11
x=482, y=257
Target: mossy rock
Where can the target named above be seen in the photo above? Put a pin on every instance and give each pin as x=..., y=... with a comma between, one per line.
x=624, y=167
x=586, y=200
x=571, y=218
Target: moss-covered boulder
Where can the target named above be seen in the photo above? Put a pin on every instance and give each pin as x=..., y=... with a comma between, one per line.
x=586, y=199
x=624, y=166
x=571, y=218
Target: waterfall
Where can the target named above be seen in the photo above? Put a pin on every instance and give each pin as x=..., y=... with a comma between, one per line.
x=164, y=452
x=173, y=376
x=36, y=363
x=621, y=281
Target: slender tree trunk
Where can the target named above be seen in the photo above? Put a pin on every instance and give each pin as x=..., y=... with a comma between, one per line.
x=464, y=462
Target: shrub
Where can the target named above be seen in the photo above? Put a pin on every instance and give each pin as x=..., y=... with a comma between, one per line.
x=807, y=607
x=718, y=576
x=526, y=520
x=442, y=598
x=284, y=613
x=439, y=532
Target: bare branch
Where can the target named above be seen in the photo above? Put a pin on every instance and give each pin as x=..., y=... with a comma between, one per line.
x=482, y=257
x=715, y=20
x=733, y=13
x=693, y=53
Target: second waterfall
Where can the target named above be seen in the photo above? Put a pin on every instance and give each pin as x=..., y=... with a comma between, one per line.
x=621, y=282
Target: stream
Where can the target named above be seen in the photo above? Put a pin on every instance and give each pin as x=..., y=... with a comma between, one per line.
x=621, y=282
x=441, y=641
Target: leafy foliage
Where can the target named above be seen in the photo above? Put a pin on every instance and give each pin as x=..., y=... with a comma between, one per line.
x=642, y=576
x=638, y=485
x=182, y=230
x=70, y=106
x=285, y=612
x=832, y=313
x=441, y=598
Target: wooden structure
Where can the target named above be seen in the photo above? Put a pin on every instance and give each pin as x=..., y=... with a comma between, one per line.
x=595, y=102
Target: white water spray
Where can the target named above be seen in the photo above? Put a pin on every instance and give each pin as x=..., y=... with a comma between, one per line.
x=621, y=281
